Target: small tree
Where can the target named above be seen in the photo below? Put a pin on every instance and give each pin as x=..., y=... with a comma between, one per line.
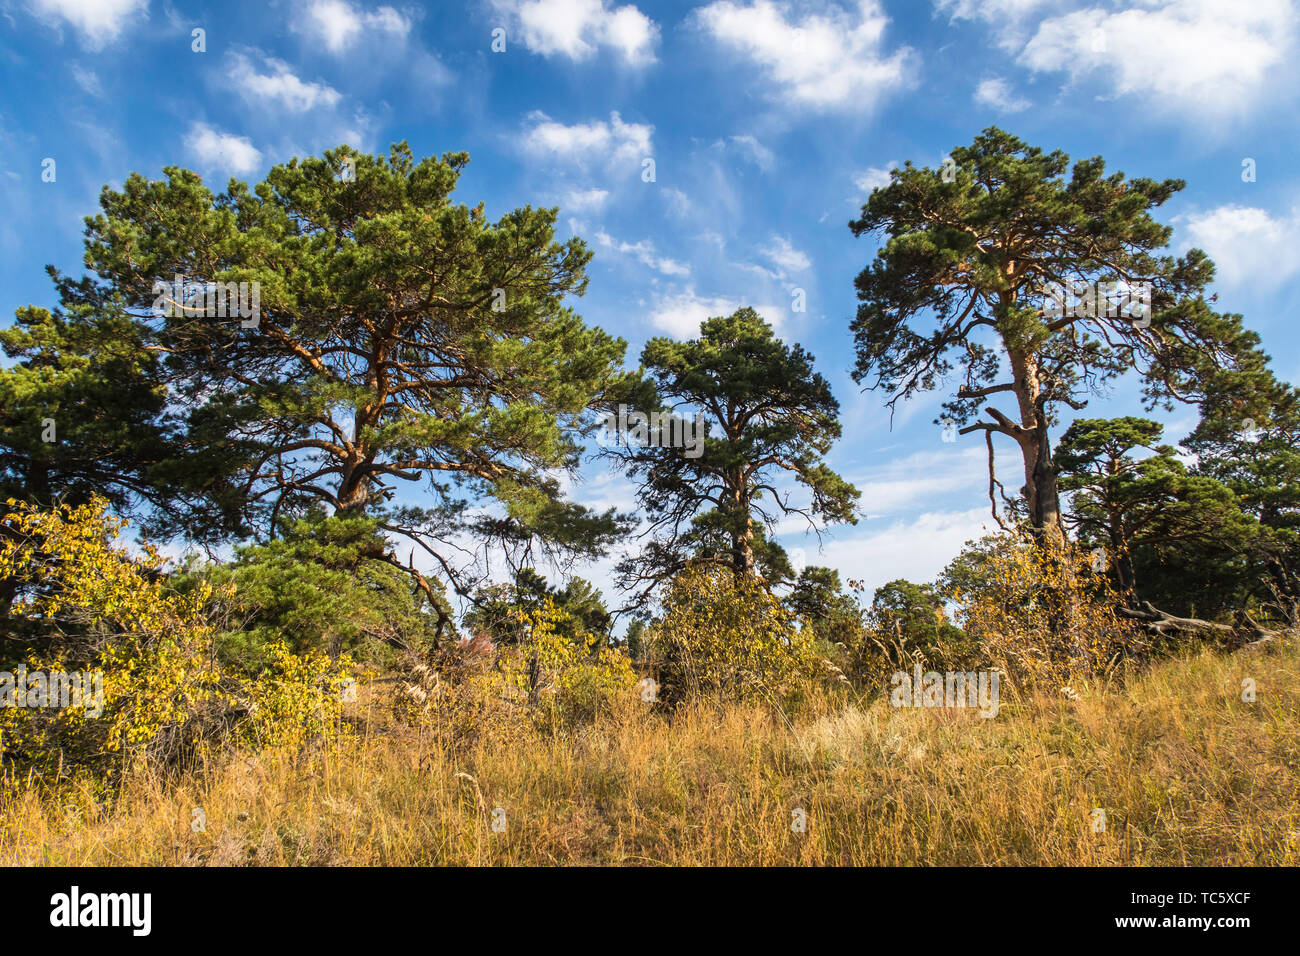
x=912, y=618
x=567, y=673
x=1150, y=505
x=318, y=588
x=827, y=611
x=816, y=594
x=500, y=611
x=767, y=414
x=725, y=636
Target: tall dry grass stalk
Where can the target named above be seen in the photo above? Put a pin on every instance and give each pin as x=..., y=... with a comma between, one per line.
x=1186, y=771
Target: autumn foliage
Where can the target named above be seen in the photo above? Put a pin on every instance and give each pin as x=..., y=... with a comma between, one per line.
x=82, y=603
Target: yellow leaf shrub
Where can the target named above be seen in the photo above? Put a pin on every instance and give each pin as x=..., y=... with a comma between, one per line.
x=724, y=636
x=567, y=679
x=1042, y=616
x=79, y=602
x=557, y=675
x=297, y=698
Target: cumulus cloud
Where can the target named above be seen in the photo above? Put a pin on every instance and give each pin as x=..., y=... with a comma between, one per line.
x=1198, y=55
x=339, y=25
x=280, y=85
x=995, y=92
x=97, y=22
x=680, y=315
x=577, y=29
x=222, y=152
x=612, y=143
x=1247, y=244
x=831, y=60
x=1205, y=58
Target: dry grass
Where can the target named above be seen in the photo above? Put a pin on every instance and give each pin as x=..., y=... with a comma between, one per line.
x=1186, y=771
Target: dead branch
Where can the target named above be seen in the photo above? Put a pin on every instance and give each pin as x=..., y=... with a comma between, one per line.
x=1243, y=633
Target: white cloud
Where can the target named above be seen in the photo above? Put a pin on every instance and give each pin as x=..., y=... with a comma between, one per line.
x=760, y=155
x=644, y=252
x=922, y=478
x=357, y=130
x=680, y=315
x=615, y=142
x=832, y=60
x=995, y=92
x=1007, y=16
x=88, y=80
x=874, y=177
x=1205, y=56
x=785, y=256
x=280, y=85
x=713, y=239
x=338, y=24
x=578, y=28
x=222, y=151
x=991, y=10
x=679, y=204
x=97, y=21
x=916, y=550
x=1247, y=244
x=586, y=200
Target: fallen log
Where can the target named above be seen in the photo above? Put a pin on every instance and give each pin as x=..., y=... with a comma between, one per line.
x=1246, y=632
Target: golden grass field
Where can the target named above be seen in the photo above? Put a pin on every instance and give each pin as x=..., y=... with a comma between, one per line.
x=1186, y=771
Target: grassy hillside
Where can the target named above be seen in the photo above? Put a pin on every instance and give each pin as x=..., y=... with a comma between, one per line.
x=1187, y=772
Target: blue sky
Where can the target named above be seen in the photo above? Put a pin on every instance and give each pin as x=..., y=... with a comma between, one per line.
x=768, y=123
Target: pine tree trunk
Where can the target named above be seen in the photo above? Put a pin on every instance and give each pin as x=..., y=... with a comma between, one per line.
x=742, y=542
x=1041, y=490
x=354, y=492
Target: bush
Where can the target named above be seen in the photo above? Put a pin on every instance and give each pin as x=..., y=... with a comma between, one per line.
x=297, y=698
x=725, y=636
x=554, y=675
x=79, y=603
x=568, y=674
x=1039, y=615
x=906, y=624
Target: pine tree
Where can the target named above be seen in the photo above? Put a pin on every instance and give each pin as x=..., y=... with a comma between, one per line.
x=768, y=415
x=1029, y=278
